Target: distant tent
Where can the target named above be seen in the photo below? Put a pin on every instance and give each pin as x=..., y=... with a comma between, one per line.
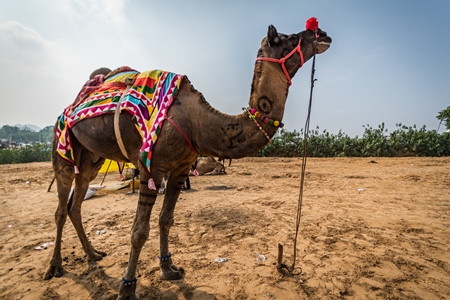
x=112, y=166
x=108, y=166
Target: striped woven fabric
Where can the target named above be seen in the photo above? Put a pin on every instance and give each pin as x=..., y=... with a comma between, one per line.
x=148, y=102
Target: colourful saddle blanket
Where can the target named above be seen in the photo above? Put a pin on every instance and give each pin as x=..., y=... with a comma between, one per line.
x=148, y=101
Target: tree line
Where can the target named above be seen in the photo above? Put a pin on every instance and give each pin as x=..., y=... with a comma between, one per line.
x=375, y=142
x=23, y=145
x=14, y=135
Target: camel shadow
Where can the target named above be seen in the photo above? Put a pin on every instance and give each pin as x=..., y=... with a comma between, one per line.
x=94, y=279
x=219, y=187
x=191, y=190
x=189, y=292
x=101, y=286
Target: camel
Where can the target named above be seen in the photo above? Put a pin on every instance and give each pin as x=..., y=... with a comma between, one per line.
x=202, y=166
x=208, y=165
x=195, y=128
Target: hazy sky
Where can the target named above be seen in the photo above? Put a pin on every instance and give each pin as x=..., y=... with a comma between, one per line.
x=389, y=61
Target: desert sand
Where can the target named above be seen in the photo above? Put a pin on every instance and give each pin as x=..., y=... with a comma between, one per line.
x=371, y=228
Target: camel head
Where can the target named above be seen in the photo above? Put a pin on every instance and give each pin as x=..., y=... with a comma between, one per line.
x=291, y=51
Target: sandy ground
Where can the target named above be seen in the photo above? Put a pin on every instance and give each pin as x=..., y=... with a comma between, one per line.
x=370, y=229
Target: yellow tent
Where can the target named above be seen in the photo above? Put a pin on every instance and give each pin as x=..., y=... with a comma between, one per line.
x=112, y=166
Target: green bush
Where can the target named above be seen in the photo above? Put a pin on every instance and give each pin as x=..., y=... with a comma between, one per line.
x=410, y=141
x=375, y=142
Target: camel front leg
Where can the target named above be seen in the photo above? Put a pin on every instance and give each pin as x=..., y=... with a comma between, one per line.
x=139, y=235
x=169, y=271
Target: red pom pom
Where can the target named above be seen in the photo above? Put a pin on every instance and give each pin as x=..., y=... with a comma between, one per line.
x=312, y=24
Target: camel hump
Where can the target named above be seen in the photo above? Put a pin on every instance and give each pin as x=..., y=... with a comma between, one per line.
x=99, y=71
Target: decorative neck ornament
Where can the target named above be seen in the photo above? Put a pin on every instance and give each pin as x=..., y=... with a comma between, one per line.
x=255, y=115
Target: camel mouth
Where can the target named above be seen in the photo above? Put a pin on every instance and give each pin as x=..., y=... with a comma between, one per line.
x=323, y=44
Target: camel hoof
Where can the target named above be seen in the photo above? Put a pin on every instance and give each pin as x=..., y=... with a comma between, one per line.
x=130, y=297
x=94, y=255
x=127, y=292
x=53, y=272
x=103, y=254
x=48, y=275
x=172, y=273
x=98, y=255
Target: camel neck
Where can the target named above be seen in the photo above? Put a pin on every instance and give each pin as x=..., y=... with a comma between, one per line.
x=227, y=136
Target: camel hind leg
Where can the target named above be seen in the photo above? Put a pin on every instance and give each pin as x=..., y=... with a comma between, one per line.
x=64, y=174
x=90, y=165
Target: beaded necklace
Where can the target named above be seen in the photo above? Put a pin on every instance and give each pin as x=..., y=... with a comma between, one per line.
x=253, y=114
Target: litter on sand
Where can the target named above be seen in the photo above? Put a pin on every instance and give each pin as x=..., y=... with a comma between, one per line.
x=261, y=258
x=221, y=259
x=92, y=190
x=43, y=246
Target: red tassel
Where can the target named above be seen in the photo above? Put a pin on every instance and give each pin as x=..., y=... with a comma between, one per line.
x=121, y=177
x=151, y=184
x=312, y=24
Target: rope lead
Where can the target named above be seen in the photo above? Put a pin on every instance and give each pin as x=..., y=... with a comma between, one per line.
x=280, y=265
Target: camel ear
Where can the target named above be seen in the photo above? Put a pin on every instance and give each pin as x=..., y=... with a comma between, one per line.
x=272, y=36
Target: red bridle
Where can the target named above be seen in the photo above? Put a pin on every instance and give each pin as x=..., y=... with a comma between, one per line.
x=282, y=60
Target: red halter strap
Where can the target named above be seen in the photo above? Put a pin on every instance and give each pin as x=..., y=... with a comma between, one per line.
x=182, y=133
x=282, y=60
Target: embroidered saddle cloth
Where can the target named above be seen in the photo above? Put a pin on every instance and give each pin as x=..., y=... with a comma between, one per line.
x=147, y=100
